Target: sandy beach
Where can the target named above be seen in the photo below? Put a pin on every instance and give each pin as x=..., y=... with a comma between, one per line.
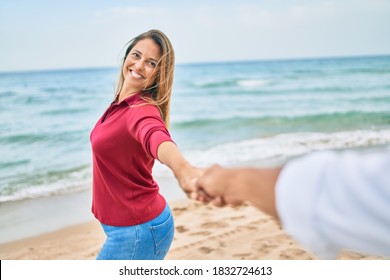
x=203, y=232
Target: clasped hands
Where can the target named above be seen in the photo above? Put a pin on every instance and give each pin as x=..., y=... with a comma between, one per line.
x=212, y=185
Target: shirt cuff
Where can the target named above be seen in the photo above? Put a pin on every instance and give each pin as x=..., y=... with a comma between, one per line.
x=156, y=139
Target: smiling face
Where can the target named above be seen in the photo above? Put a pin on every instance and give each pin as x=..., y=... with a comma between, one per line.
x=140, y=68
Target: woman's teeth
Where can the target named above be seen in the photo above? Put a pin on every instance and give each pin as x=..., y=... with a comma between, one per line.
x=135, y=74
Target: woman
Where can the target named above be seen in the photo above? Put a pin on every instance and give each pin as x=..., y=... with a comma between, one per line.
x=125, y=141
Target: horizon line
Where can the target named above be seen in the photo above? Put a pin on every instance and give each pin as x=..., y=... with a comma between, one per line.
x=84, y=68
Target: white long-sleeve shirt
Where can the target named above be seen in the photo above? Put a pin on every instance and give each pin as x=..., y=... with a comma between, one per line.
x=331, y=201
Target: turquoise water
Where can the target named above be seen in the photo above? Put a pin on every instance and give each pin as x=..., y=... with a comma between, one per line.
x=231, y=113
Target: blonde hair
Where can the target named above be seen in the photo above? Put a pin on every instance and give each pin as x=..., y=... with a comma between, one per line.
x=161, y=92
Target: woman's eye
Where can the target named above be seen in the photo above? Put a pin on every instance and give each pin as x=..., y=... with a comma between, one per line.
x=153, y=64
x=136, y=55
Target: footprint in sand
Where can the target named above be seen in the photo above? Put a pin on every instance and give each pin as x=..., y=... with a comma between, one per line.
x=206, y=250
x=264, y=245
x=202, y=233
x=242, y=256
x=237, y=218
x=294, y=254
x=214, y=225
x=177, y=211
x=181, y=229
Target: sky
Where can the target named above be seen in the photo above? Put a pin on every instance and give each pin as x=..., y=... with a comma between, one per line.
x=37, y=35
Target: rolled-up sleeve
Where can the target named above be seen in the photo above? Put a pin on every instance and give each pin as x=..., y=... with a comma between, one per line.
x=149, y=129
x=155, y=140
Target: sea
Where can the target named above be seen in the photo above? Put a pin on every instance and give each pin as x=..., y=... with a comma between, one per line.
x=233, y=113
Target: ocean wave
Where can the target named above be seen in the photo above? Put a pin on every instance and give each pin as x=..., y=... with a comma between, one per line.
x=64, y=90
x=284, y=146
x=242, y=83
x=43, y=138
x=46, y=183
x=13, y=163
x=7, y=93
x=215, y=84
x=331, y=118
x=59, y=188
x=253, y=83
x=367, y=70
x=65, y=111
x=23, y=138
x=276, y=150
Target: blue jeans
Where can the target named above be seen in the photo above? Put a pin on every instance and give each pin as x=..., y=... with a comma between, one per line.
x=148, y=241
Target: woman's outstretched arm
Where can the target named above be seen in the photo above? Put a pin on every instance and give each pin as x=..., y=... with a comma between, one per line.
x=186, y=174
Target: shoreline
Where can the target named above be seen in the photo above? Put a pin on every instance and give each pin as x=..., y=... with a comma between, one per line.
x=202, y=232
x=32, y=217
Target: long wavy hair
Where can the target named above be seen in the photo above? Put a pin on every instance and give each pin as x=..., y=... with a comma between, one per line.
x=160, y=93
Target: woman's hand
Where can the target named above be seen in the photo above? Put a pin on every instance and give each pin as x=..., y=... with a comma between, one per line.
x=220, y=185
x=185, y=173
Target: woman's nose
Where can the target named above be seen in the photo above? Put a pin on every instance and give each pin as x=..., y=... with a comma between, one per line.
x=139, y=64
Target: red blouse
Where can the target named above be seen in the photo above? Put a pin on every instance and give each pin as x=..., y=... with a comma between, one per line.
x=124, y=146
